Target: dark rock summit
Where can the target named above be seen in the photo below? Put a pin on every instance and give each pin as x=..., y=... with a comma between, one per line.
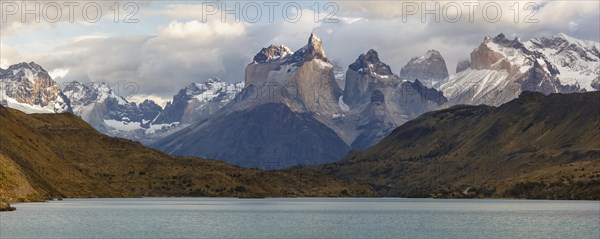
x=370, y=63
x=366, y=74
x=272, y=53
x=313, y=50
x=463, y=65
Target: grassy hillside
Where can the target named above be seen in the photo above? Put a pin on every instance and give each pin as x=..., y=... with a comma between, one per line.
x=535, y=146
x=59, y=155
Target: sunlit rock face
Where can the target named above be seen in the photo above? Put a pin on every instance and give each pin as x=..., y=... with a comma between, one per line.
x=29, y=88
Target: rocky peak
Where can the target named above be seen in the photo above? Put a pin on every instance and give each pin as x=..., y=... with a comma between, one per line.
x=24, y=65
x=199, y=100
x=573, y=60
x=463, y=65
x=80, y=94
x=313, y=50
x=370, y=63
x=32, y=89
x=364, y=76
x=501, y=40
x=499, y=53
x=26, y=71
x=272, y=52
x=429, y=68
x=539, y=79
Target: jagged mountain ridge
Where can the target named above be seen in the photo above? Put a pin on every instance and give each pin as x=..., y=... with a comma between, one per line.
x=28, y=87
x=379, y=101
x=147, y=121
x=198, y=101
x=501, y=68
x=306, y=82
x=280, y=118
x=292, y=110
x=578, y=61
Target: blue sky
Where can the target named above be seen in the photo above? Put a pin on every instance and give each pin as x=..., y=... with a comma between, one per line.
x=171, y=46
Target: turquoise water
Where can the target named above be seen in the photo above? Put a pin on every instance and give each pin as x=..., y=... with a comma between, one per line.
x=302, y=218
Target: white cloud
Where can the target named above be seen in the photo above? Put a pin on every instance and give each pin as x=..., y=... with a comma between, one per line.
x=8, y=56
x=39, y=14
x=184, y=49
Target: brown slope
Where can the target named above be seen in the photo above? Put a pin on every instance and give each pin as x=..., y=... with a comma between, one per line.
x=59, y=155
x=529, y=147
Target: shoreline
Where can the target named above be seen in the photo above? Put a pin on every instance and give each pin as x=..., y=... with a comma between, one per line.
x=327, y=198
x=5, y=207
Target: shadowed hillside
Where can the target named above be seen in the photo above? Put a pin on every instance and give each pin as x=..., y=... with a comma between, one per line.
x=59, y=155
x=535, y=146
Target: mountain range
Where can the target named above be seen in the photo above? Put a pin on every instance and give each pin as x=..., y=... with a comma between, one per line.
x=292, y=110
x=301, y=108
x=500, y=69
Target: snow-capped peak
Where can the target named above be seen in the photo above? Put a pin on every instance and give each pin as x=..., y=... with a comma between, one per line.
x=94, y=92
x=578, y=61
x=272, y=53
x=29, y=88
x=369, y=63
x=213, y=90
x=312, y=50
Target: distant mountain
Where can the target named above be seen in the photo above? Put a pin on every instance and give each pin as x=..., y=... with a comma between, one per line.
x=429, y=68
x=85, y=97
x=463, y=65
x=500, y=69
x=59, y=155
x=534, y=146
x=100, y=106
x=280, y=119
x=379, y=101
x=29, y=88
x=578, y=61
x=198, y=101
x=295, y=113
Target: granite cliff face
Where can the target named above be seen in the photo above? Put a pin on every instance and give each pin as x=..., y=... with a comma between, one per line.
x=280, y=119
x=366, y=74
x=378, y=101
x=429, y=68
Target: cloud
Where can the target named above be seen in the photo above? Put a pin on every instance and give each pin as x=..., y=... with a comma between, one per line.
x=184, y=49
x=8, y=56
x=18, y=16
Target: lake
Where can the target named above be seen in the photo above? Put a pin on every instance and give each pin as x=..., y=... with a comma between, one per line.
x=301, y=218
